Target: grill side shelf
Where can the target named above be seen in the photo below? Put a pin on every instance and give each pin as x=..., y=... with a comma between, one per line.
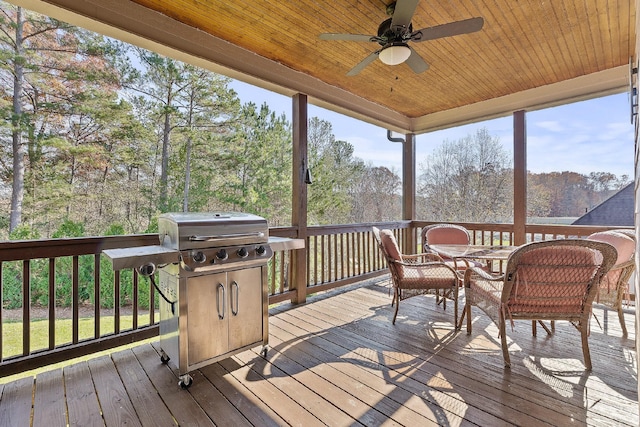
x=285, y=244
x=124, y=258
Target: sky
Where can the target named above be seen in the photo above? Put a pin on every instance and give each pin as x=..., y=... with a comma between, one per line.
x=587, y=136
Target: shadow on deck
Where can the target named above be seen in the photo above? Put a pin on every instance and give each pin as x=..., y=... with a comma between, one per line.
x=339, y=361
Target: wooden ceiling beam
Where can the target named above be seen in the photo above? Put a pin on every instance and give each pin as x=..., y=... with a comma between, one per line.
x=607, y=82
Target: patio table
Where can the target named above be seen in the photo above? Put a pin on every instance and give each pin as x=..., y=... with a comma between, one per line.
x=466, y=253
x=477, y=252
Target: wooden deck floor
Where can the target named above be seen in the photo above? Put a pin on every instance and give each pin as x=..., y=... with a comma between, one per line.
x=338, y=361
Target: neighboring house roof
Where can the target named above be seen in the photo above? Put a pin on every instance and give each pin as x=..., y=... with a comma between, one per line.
x=616, y=210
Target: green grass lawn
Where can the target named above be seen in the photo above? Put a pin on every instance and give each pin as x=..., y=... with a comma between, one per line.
x=12, y=339
x=12, y=332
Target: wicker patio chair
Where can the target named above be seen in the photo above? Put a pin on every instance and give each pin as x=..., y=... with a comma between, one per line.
x=550, y=280
x=448, y=234
x=614, y=286
x=417, y=274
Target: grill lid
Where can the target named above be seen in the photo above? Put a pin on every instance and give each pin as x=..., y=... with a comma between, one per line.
x=199, y=230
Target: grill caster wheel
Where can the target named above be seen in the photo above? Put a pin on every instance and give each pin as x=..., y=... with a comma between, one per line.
x=185, y=381
x=264, y=350
x=164, y=358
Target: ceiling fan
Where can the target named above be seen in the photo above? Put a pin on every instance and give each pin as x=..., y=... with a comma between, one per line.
x=394, y=34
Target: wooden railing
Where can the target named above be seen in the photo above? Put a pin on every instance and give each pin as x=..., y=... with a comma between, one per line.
x=100, y=309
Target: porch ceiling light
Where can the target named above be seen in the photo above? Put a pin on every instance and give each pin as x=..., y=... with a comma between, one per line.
x=395, y=54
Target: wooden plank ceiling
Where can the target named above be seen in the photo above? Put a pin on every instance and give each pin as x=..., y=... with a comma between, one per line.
x=524, y=46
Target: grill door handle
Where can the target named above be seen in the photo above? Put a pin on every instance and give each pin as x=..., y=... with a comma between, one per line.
x=235, y=307
x=215, y=237
x=221, y=301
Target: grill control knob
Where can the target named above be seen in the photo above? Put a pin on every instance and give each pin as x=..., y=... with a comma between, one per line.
x=199, y=257
x=261, y=250
x=222, y=254
x=243, y=253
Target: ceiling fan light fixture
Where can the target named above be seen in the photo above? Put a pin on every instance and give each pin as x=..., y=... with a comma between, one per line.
x=395, y=54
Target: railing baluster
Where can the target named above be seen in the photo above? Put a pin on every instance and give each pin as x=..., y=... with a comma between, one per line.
x=272, y=275
x=116, y=307
x=284, y=280
x=365, y=259
x=26, y=305
x=323, y=264
x=1, y=309
x=96, y=296
x=134, y=291
x=75, y=291
x=348, y=258
x=52, y=303
x=335, y=257
x=342, y=256
x=152, y=305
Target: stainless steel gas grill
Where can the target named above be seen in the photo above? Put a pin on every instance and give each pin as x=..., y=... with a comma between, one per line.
x=213, y=284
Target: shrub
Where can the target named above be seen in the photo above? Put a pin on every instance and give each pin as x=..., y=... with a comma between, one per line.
x=24, y=232
x=69, y=228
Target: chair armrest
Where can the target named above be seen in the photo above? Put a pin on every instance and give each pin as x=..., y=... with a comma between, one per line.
x=476, y=273
x=620, y=273
x=614, y=284
x=624, y=265
x=483, y=288
x=421, y=258
x=411, y=263
x=427, y=250
x=426, y=271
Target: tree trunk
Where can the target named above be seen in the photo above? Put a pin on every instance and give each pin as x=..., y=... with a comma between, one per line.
x=164, y=173
x=187, y=176
x=17, y=194
x=187, y=166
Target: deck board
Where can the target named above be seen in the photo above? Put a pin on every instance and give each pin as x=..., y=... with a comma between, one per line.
x=222, y=412
x=249, y=405
x=15, y=406
x=49, y=403
x=82, y=400
x=338, y=361
x=116, y=407
x=181, y=405
x=144, y=396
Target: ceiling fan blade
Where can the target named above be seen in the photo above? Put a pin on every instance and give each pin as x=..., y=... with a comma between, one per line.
x=366, y=61
x=416, y=63
x=403, y=13
x=348, y=37
x=465, y=26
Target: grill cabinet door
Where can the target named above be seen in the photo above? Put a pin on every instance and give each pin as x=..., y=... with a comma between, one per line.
x=207, y=317
x=245, y=307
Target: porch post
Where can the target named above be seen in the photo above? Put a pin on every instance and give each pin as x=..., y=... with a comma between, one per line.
x=636, y=211
x=299, y=195
x=409, y=189
x=519, y=177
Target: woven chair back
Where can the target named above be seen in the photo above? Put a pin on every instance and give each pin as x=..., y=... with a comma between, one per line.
x=625, y=246
x=443, y=234
x=555, y=278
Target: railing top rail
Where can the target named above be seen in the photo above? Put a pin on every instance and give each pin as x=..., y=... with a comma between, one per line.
x=530, y=228
x=16, y=250
x=355, y=228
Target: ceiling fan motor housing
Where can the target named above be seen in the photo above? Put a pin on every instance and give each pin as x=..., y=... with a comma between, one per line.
x=388, y=35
